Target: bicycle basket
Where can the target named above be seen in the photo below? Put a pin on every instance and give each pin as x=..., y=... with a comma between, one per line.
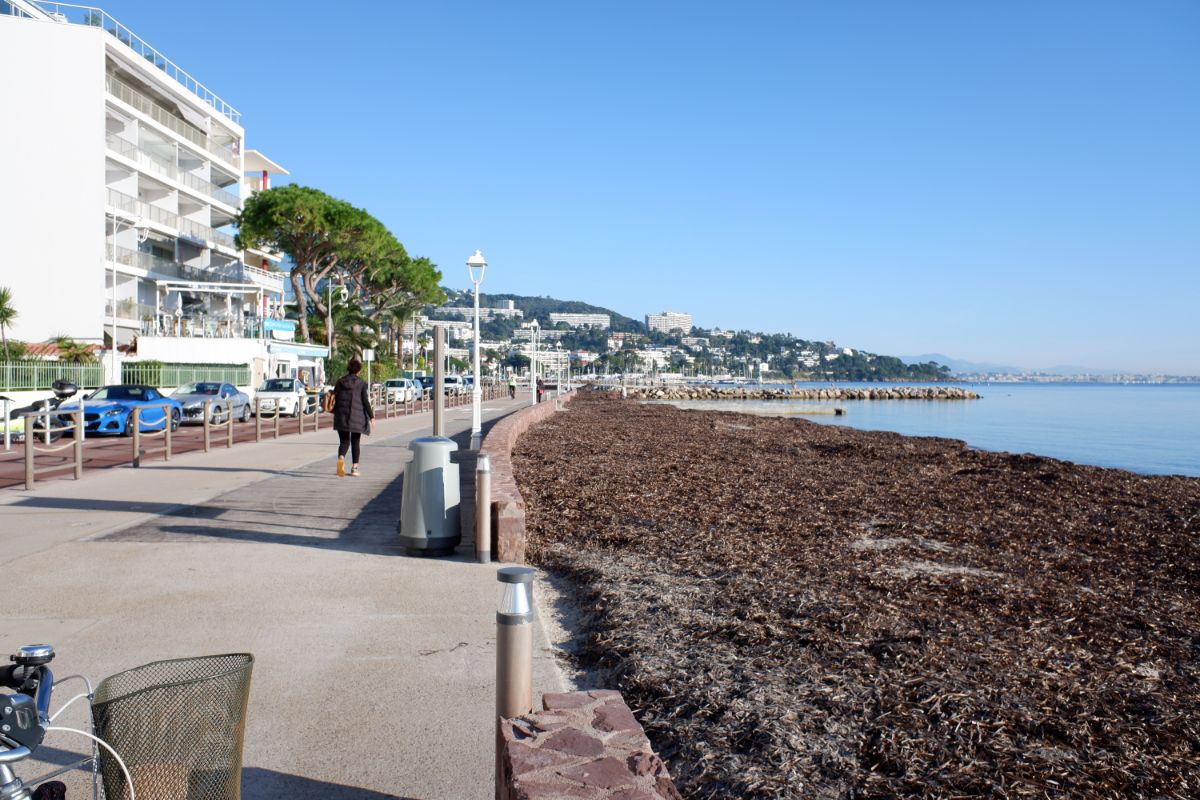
x=178, y=725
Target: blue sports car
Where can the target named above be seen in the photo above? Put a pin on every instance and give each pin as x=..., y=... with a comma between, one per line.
x=109, y=410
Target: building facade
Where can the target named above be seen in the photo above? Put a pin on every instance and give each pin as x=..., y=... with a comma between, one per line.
x=581, y=320
x=669, y=321
x=132, y=174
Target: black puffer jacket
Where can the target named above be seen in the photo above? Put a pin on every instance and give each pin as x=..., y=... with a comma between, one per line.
x=352, y=405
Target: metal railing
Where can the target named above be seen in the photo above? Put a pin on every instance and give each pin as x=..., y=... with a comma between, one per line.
x=129, y=309
x=98, y=18
x=38, y=375
x=140, y=101
x=191, y=228
x=263, y=277
x=148, y=261
x=158, y=374
x=129, y=150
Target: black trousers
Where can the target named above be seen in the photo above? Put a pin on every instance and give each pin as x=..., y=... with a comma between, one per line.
x=349, y=441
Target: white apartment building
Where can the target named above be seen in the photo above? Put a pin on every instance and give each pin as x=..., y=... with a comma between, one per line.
x=485, y=314
x=669, y=321
x=126, y=175
x=581, y=320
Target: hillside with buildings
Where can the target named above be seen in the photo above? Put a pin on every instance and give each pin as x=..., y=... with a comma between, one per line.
x=599, y=339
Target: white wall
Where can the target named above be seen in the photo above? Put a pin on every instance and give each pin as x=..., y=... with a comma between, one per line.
x=199, y=350
x=52, y=203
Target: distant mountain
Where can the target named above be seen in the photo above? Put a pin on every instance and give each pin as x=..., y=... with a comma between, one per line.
x=958, y=365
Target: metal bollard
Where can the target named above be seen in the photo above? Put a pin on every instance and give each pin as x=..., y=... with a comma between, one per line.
x=137, y=436
x=78, y=448
x=258, y=419
x=483, y=508
x=166, y=433
x=207, y=404
x=29, y=453
x=514, y=650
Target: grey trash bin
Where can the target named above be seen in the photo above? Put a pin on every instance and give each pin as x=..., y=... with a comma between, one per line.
x=429, y=505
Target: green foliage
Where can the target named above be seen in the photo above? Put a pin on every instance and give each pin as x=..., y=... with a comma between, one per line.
x=73, y=352
x=8, y=314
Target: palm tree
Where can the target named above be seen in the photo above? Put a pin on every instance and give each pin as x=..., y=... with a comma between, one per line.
x=8, y=313
x=73, y=352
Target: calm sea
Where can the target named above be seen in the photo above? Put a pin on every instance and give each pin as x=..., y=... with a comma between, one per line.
x=1149, y=429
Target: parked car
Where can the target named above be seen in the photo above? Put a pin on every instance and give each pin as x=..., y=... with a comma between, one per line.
x=400, y=390
x=109, y=409
x=451, y=384
x=15, y=424
x=225, y=399
x=289, y=394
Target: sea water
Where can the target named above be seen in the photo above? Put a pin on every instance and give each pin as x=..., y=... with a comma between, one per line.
x=1152, y=429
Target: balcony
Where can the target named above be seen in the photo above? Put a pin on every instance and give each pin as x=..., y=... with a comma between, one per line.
x=141, y=102
x=131, y=205
x=131, y=151
x=97, y=18
x=272, y=281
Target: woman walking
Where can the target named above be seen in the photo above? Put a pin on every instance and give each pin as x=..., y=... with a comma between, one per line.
x=352, y=415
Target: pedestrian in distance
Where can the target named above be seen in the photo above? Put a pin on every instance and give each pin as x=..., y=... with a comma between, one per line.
x=512, y=386
x=352, y=415
x=541, y=389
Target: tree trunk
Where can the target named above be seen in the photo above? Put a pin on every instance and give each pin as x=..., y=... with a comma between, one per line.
x=301, y=305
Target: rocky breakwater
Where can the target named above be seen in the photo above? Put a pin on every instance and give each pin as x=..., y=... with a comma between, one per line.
x=787, y=393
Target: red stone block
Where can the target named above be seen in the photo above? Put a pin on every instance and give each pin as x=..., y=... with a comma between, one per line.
x=575, y=742
x=557, y=700
x=606, y=773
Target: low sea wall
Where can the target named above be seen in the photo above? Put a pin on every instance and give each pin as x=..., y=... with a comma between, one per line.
x=508, y=509
x=582, y=745
x=784, y=393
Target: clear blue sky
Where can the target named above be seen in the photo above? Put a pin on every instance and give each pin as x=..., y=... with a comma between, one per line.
x=1011, y=181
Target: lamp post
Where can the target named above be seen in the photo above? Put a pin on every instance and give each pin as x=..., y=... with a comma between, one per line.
x=533, y=334
x=143, y=232
x=476, y=262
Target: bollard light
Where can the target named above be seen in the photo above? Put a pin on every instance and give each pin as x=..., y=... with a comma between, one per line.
x=514, y=642
x=483, y=508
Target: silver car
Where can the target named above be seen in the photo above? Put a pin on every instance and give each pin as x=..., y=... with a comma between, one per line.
x=224, y=396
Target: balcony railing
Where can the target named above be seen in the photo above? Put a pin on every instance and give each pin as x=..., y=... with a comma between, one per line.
x=97, y=18
x=132, y=97
x=148, y=261
x=271, y=280
x=132, y=205
x=130, y=309
x=127, y=149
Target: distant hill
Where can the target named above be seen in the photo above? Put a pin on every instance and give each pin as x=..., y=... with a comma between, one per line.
x=958, y=365
x=541, y=308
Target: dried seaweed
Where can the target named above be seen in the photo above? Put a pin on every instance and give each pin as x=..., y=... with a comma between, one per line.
x=797, y=610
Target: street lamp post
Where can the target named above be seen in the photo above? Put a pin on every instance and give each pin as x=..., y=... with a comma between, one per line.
x=343, y=295
x=143, y=232
x=533, y=336
x=476, y=262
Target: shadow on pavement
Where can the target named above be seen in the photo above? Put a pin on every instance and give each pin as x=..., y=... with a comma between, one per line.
x=261, y=784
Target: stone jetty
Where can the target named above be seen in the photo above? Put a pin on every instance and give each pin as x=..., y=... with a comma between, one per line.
x=788, y=393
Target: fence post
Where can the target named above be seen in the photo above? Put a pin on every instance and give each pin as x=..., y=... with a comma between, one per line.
x=167, y=433
x=7, y=422
x=207, y=404
x=278, y=408
x=78, y=448
x=258, y=419
x=317, y=417
x=229, y=427
x=29, y=442
x=137, y=435
x=300, y=412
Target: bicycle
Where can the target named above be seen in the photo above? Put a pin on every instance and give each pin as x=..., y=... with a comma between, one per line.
x=25, y=720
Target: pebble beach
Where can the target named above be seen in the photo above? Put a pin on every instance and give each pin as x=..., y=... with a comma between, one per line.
x=797, y=610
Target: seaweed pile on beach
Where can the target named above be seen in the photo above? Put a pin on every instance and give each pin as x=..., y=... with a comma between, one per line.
x=808, y=611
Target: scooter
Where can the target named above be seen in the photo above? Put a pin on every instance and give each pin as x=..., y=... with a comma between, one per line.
x=63, y=390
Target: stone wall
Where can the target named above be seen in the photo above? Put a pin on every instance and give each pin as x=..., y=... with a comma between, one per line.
x=585, y=745
x=508, y=508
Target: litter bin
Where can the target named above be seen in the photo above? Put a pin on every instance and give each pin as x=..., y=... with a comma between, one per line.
x=429, y=504
x=178, y=726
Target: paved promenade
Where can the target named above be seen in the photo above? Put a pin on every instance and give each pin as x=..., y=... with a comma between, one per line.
x=374, y=671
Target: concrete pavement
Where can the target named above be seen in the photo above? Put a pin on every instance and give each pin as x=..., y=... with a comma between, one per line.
x=374, y=671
